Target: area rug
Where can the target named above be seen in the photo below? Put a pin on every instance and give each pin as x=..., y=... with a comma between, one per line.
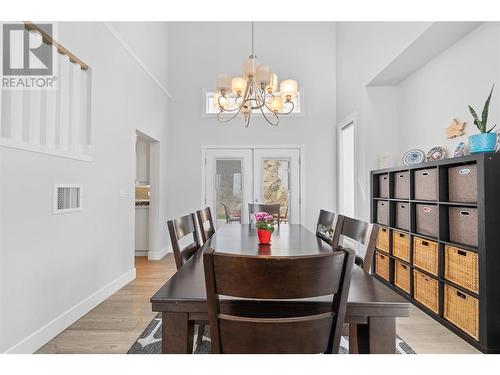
x=150, y=341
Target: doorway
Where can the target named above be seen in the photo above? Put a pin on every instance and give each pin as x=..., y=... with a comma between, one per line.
x=147, y=178
x=233, y=177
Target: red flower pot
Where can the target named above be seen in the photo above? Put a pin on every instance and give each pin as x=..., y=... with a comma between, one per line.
x=264, y=236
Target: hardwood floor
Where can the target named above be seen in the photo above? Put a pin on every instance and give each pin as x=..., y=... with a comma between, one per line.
x=114, y=325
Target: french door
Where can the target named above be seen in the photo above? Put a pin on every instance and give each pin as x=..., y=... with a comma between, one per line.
x=235, y=177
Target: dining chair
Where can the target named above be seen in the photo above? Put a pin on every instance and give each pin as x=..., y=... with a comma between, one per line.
x=362, y=236
x=206, y=223
x=326, y=226
x=179, y=229
x=229, y=217
x=275, y=278
x=272, y=209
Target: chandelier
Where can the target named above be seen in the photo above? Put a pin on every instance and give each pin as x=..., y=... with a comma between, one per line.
x=256, y=90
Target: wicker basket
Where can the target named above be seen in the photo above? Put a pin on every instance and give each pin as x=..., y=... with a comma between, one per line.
x=462, y=268
x=401, y=245
x=383, y=239
x=426, y=290
x=425, y=255
x=382, y=265
x=402, y=276
x=462, y=310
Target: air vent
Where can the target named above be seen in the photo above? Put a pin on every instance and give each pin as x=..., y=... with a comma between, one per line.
x=67, y=198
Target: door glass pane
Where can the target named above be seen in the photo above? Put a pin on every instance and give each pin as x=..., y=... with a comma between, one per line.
x=228, y=187
x=276, y=187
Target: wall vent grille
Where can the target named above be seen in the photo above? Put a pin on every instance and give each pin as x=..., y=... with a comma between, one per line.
x=67, y=198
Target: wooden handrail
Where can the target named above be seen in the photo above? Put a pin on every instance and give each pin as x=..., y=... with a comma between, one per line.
x=30, y=26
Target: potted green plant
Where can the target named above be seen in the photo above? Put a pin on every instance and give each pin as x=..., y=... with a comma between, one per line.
x=486, y=140
x=265, y=227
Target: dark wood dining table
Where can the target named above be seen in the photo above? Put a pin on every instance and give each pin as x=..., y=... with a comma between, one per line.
x=182, y=300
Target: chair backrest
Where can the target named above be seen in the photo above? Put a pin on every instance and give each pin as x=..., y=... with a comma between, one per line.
x=226, y=212
x=272, y=209
x=365, y=234
x=262, y=278
x=326, y=228
x=206, y=223
x=178, y=229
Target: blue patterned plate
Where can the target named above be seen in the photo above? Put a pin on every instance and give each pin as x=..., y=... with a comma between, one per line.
x=413, y=157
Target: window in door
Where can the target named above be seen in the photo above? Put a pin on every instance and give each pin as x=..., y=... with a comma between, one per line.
x=228, y=191
x=275, y=186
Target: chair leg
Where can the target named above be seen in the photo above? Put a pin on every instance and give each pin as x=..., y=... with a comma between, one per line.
x=201, y=329
x=353, y=339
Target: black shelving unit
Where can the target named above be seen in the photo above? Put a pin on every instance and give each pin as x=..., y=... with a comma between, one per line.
x=488, y=246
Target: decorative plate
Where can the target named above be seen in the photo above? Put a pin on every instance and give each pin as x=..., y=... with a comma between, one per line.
x=413, y=157
x=436, y=153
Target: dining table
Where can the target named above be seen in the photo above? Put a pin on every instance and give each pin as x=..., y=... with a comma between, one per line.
x=182, y=300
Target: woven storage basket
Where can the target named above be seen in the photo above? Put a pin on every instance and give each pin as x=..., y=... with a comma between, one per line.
x=462, y=310
x=426, y=290
x=403, y=215
x=462, y=267
x=383, y=239
x=383, y=186
x=401, y=245
x=425, y=255
x=426, y=184
x=462, y=184
x=463, y=223
x=402, y=276
x=382, y=265
x=383, y=212
x=402, y=185
x=426, y=217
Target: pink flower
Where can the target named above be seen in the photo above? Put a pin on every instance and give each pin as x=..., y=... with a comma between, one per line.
x=263, y=216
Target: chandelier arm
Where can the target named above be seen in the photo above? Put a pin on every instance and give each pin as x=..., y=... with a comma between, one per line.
x=220, y=119
x=267, y=119
x=290, y=111
x=222, y=109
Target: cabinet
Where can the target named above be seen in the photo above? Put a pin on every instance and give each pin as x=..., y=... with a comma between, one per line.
x=453, y=235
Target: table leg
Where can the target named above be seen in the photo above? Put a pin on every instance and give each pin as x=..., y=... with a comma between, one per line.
x=378, y=336
x=177, y=333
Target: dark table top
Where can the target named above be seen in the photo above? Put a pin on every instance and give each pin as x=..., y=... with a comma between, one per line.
x=367, y=295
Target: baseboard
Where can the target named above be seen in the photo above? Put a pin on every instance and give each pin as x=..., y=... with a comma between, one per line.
x=141, y=253
x=157, y=255
x=43, y=335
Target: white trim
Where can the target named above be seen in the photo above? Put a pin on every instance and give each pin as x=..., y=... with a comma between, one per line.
x=43, y=335
x=125, y=45
x=207, y=147
x=351, y=118
x=40, y=149
x=158, y=255
x=302, y=174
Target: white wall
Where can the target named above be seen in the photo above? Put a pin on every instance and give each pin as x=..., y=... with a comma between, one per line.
x=363, y=49
x=54, y=268
x=441, y=90
x=413, y=114
x=300, y=50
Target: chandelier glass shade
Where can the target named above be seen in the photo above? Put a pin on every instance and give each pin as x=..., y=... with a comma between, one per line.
x=256, y=90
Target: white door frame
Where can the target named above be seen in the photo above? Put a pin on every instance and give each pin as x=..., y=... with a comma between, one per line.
x=154, y=251
x=302, y=163
x=352, y=118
